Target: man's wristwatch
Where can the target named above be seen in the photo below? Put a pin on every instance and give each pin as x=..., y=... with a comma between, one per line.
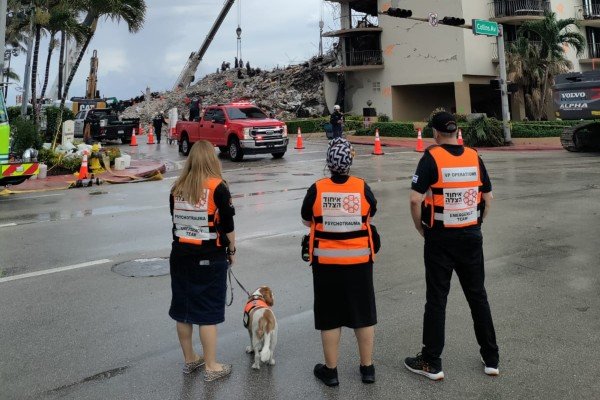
x=231, y=252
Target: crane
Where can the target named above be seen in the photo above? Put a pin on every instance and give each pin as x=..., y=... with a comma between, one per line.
x=187, y=75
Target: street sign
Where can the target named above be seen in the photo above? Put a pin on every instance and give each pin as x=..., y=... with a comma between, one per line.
x=485, y=27
x=433, y=19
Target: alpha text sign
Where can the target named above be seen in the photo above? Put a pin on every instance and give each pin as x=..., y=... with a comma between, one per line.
x=485, y=27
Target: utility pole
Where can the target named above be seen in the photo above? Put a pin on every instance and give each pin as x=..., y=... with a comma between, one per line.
x=27, y=78
x=503, y=86
x=3, y=11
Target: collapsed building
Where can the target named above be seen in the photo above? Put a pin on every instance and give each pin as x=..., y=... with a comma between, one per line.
x=294, y=91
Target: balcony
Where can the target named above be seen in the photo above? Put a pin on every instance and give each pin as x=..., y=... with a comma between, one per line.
x=357, y=25
x=360, y=60
x=588, y=14
x=518, y=11
x=593, y=54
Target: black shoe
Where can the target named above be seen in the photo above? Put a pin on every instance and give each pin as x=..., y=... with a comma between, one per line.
x=367, y=373
x=422, y=367
x=326, y=375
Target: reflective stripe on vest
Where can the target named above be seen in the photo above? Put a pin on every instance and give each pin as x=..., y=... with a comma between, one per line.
x=340, y=231
x=454, y=201
x=197, y=223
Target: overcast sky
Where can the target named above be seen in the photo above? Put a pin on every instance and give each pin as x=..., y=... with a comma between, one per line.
x=275, y=32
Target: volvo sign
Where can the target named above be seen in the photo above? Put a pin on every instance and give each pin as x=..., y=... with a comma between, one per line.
x=485, y=27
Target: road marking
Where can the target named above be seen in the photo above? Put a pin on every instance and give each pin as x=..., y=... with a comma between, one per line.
x=54, y=270
x=5, y=225
x=30, y=197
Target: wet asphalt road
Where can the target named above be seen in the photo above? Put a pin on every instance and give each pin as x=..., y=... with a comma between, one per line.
x=90, y=333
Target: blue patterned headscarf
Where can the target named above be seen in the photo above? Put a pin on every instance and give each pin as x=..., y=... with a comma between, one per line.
x=339, y=156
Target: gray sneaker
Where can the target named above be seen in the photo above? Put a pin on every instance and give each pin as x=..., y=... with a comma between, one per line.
x=214, y=375
x=188, y=368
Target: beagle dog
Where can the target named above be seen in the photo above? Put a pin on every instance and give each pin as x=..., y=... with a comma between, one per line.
x=262, y=326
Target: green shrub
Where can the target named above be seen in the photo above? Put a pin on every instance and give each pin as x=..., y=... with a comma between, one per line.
x=485, y=132
x=307, y=125
x=390, y=129
x=24, y=136
x=14, y=113
x=383, y=118
x=59, y=163
x=351, y=117
x=537, y=129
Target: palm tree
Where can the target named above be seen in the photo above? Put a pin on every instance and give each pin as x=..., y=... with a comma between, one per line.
x=133, y=12
x=537, y=66
x=41, y=18
x=63, y=19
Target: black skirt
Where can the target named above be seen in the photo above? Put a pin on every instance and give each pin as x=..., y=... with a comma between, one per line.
x=344, y=296
x=199, y=287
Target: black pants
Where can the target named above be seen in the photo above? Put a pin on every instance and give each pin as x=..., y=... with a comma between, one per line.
x=337, y=131
x=462, y=251
x=157, y=132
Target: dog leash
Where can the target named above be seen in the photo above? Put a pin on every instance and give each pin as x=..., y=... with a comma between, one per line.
x=230, y=274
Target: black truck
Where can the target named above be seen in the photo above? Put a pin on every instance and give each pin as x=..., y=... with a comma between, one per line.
x=101, y=124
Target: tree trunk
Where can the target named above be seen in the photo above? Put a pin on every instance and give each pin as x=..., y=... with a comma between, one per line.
x=61, y=63
x=48, y=60
x=68, y=85
x=36, y=53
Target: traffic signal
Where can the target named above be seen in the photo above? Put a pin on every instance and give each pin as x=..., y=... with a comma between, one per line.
x=399, y=13
x=453, y=21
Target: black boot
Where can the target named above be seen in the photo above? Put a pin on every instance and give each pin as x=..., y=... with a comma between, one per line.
x=367, y=373
x=328, y=376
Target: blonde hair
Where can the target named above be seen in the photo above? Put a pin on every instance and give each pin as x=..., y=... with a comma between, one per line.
x=202, y=164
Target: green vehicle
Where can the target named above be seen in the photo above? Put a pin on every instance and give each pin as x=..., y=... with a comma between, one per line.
x=13, y=169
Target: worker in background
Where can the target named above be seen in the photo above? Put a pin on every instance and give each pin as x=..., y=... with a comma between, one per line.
x=342, y=249
x=451, y=196
x=157, y=123
x=195, y=107
x=337, y=121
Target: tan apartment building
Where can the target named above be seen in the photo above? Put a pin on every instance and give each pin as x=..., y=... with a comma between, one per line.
x=406, y=68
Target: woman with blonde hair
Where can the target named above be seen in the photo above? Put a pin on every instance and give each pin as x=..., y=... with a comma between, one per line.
x=203, y=246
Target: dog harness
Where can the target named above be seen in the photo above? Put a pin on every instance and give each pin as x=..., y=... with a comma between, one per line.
x=256, y=301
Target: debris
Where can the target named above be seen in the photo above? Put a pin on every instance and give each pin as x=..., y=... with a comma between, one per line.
x=291, y=92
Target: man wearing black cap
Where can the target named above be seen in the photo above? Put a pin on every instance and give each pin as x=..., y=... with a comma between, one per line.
x=451, y=195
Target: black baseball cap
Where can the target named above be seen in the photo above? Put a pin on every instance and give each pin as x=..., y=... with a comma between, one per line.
x=443, y=122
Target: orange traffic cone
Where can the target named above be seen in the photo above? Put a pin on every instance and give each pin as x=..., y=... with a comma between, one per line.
x=141, y=130
x=151, y=136
x=377, y=151
x=83, y=171
x=299, y=143
x=460, y=139
x=420, y=148
x=133, y=139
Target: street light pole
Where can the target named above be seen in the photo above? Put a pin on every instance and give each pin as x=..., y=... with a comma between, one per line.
x=503, y=86
x=3, y=11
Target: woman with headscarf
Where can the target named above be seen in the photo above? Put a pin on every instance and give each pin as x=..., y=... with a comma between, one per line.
x=203, y=247
x=341, y=247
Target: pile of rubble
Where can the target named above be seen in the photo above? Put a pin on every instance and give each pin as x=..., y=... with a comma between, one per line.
x=292, y=92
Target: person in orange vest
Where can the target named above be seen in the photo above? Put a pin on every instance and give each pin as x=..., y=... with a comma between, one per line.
x=203, y=248
x=450, y=197
x=342, y=249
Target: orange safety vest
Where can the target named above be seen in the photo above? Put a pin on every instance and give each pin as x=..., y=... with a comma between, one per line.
x=454, y=201
x=340, y=232
x=196, y=224
x=253, y=303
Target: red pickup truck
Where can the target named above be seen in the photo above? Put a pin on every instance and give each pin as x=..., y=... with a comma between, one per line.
x=237, y=129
